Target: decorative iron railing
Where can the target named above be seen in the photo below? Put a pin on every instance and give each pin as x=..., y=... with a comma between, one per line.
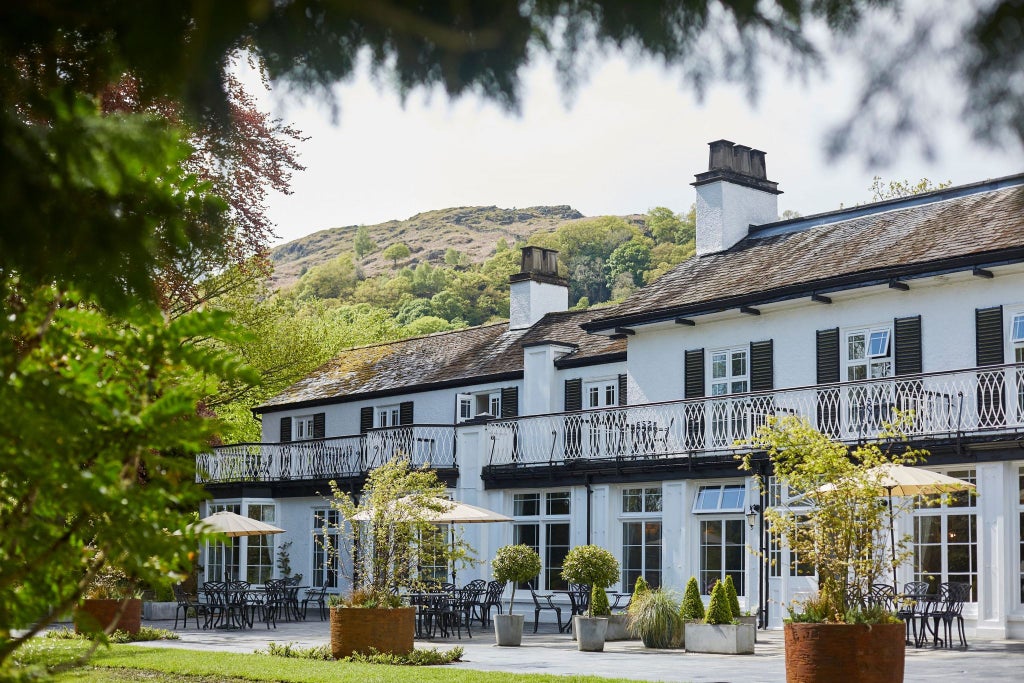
x=332, y=458
x=965, y=402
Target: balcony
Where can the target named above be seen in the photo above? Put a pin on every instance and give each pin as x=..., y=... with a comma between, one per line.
x=974, y=402
x=332, y=458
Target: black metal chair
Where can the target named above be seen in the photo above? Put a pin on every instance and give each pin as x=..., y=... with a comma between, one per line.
x=542, y=601
x=477, y=588
x=579, y=600
x=911, y=606
x=949, y=609
x=186, y=606
x=492, y=598
x=317, y=596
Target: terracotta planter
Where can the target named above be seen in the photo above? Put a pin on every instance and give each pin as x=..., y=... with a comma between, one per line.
x=96, y=615
x=355, y=629
x=852, y=653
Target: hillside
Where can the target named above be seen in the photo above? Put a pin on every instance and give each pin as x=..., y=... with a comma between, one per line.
x=473, y=230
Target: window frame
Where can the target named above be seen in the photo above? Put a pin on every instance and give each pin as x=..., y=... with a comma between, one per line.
x=718, y=509
x=730, y=379
x=302, y=427
x=649, y=518
x=326, y=564
x=390, y=414
x=238, y=549
x=544, y=523
x=469, y=405
x=869, y=362
x=947, y=507
x=598, y=388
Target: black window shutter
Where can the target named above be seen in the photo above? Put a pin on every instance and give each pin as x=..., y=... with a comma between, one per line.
x=622, y=389
x=509, y=402
x=907, y=345
x=319, y=425
x=762, y=366
x=828, y=372
x=573, y=394
x=405, y=413
x=988, y=330
x=286, y=429
x=828, y=356
x=693, y=373
x=365, y=419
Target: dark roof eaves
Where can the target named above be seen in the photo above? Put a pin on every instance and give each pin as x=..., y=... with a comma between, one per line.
x=596, y=359
x=399, y=391
x=822, y=286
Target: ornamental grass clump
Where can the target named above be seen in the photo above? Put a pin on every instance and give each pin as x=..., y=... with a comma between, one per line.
x=593, y=566
x=654, y=618
x=719, y=612
x=515, y=564
x=734, y=599
x=839, y=519
x=692, y=608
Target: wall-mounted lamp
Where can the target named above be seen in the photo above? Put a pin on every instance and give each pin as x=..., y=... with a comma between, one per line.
x=752, y=512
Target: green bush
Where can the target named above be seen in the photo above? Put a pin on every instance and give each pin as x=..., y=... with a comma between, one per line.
x=734, y=599
x=514, y=564
x=599, y=602
x=693, y=607
x=718, y=610
x=641, y=586
x=289, y=650
x=654, y=618
x=590, y=565
x=427, y=657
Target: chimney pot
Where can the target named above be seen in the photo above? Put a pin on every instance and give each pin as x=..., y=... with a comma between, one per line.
x=720, y=155
x=741, y=159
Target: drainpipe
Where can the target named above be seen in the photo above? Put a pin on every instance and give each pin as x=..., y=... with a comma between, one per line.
x=590, y=492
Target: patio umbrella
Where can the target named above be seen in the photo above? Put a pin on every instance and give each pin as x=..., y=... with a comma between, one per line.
x=233, y=525
x=901, y=480
x=450, y=512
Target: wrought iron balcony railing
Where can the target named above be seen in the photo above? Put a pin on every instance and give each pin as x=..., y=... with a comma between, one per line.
x=965, y=402
x=332, y=458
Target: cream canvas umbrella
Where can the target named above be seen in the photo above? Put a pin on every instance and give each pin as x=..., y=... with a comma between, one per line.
x=233, y=525
x=448, y=512
x=901, y=480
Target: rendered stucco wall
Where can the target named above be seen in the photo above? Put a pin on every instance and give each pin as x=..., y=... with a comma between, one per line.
x=725, y=212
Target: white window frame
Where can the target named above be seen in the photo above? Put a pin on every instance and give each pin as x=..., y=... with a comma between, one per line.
x=944, y=511
x=727, y=516
x=326, y=561
x=550, y=573
x=302, y=428
x=875, y=365
x=1017, y=349
x=649, y=518
x=387, y=416
x=235, y=551
x=468, y=406
x=741, y=489
x=729, y=381
x=600, y=393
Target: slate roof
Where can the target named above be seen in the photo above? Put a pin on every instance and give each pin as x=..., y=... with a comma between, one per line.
x=955, y=228
x=464, y=357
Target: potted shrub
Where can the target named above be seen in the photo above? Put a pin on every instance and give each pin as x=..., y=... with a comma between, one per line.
x=111, y=602
x=719, y=633
x=391, y=524
x=840, y=530
x=513, y=564
x=654, y=618
x=593, y=566
x=734, y=603
x=691, y=610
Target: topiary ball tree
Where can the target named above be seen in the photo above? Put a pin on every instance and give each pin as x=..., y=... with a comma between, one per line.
x=719, y=611
x=734, y=599
x=599, y=602
x=515, y=564
x=590, y=565
x=693, y=607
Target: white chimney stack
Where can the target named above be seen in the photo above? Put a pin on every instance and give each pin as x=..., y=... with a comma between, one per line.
x=732, y=195
x=536, y=290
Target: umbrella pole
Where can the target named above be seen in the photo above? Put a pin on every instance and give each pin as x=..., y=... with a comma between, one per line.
x=892, y=539
x=451, y=531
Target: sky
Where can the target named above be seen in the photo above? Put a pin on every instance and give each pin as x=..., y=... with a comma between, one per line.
x=631, y=138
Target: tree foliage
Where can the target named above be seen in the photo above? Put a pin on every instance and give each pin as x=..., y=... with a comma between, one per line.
x=896, y=189
x=396, y=252
x=590, y=565
x=515, y=564
x=838, y=516
x=363, y=244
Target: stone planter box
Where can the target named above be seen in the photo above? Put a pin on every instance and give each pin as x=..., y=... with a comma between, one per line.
x=97, y=615
x=852, y=653
x=752, y=621
x=508, y=629
x=590, y=633
x=355, y=629
x=617, y=628
x=721, y=639
x=159, y=611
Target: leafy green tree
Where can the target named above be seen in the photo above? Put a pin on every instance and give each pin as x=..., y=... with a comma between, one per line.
x=895, y=189
x=515, y=564
x=455, y=258
x=449, y=306
x=428, y=324
x=335, y=279
x=590, y=565
x=396, y=252
x=666, y=226
x=413, y=309
x=363, y=244
x=632, y=258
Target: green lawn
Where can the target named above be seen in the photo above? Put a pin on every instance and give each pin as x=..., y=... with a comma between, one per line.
x=158, y=665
